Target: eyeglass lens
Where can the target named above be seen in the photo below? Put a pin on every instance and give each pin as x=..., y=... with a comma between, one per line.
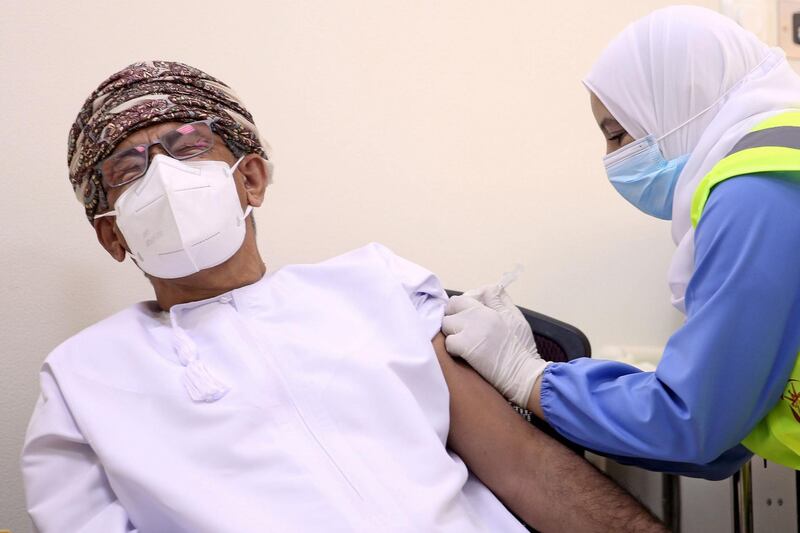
x=187, y=141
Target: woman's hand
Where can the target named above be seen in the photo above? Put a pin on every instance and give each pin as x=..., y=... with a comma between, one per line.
x=486, y=329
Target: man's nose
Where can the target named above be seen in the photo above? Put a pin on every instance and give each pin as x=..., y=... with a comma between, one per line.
x=156, y=149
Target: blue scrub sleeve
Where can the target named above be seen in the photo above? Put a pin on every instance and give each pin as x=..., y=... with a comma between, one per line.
x=726, y=367
x=720, y=468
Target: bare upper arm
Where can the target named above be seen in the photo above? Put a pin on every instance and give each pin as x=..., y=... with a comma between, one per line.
x=482, y=423
x=535, y=476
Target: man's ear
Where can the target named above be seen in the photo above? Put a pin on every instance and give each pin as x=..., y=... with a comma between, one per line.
x=110, y=238
x=255, y=171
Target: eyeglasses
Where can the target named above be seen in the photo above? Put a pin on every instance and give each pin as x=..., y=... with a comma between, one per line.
x=190, y=140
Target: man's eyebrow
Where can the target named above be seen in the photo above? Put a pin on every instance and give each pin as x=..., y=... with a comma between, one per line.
x=125, y=144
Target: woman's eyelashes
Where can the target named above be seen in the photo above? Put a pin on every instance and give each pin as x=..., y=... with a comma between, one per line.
x=616, y=137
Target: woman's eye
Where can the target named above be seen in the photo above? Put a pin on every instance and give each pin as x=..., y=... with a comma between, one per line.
x=616, y=138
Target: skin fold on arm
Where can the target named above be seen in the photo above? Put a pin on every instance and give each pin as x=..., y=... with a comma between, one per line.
x=539, y=479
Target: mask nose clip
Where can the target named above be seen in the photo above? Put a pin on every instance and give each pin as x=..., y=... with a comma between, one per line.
x=642, y=175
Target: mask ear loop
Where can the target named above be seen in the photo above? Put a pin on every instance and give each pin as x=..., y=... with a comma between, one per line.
x=718, y=100
x=249, y=207
x=233, y=168
x=128, y=250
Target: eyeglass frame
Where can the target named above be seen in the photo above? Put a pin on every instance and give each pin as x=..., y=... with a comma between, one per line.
x=98, y=166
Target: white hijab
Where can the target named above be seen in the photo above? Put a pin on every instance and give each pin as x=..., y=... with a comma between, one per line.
x=699, y=80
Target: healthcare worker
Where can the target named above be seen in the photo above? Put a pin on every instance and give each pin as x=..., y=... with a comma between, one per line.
x=702, y=124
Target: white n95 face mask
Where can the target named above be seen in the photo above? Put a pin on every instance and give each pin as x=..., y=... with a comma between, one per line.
x=182, y=216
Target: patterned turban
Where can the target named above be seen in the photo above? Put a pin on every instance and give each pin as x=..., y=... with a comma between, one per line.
x=144, y=94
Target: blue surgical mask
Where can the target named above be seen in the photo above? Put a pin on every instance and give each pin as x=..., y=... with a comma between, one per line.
x=642, y=175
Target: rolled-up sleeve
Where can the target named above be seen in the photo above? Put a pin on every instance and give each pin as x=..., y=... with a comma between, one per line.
x=423, y=288
x=726, y=367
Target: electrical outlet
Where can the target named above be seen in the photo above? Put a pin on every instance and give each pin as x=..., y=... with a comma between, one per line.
x=774, y=496
x=789, y=28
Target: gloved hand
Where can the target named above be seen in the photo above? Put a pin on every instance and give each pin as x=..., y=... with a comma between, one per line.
x=486, y=329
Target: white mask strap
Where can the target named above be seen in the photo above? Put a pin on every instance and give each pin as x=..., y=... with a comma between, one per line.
x=249, y=207
x=718, y=100
x=106, y=214
x=233, y=168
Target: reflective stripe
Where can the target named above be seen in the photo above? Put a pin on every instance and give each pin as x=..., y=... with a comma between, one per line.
x=784, y=136
x=773, y=145
x=750, y=161
x=790, y=118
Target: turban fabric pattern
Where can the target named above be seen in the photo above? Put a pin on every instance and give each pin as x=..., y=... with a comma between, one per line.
x=144, y=94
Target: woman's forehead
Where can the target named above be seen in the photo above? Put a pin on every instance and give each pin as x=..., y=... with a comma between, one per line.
x=602, y=115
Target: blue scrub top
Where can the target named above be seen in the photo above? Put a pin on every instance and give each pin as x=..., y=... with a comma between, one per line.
x=724, y=369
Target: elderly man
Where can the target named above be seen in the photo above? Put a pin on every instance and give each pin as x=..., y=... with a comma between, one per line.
x=313, y=398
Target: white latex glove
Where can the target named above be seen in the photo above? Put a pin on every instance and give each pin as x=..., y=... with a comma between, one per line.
x=485, y=328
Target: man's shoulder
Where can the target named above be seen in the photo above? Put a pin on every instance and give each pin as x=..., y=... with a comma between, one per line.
x=373, y=253
x=365, y=273
x=106, y=334
x=373, y=257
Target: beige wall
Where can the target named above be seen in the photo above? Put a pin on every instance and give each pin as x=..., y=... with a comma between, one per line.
x=457, y=133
